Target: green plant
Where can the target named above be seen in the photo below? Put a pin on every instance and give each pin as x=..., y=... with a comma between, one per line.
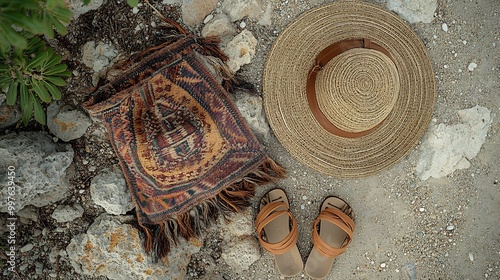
x=30, y=71
x=32, y=16
x=34, y=75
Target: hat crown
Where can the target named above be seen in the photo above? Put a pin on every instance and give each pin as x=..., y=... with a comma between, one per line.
x=357, y=89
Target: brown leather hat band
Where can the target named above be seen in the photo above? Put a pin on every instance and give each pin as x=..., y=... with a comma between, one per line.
x=321, y=60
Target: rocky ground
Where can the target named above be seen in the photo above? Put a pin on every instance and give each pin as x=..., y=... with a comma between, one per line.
x=434, y=215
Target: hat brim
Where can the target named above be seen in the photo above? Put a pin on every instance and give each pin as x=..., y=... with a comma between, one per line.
x=284, y=89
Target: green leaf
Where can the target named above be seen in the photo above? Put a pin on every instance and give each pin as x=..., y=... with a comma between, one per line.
x=60, y=27
x=65, y=74
x=19, y=75
x=39, y=112
x=16, y=40
x=42, y=92
x=5, y=81
x=132, y=3
x=53, y=60
x=35, y=45
x=23, y=92
x=48, y=30
x=28, y=110
x=38, y=60
x=4, y=45
x=16, y=17
x=86, y=2
x=26, y=105
x=54, y=91
x=59, y=68
x=12, y=37
x=25, y=4
x=19, y=59
x=12, y=93
x=55, y=80
x=62, y=13
x=51, y=4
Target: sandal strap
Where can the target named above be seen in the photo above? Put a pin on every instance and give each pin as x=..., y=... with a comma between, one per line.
x=338, y=218
x=267, y=214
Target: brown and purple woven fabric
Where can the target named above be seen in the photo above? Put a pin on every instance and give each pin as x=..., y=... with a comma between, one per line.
x=186, y=152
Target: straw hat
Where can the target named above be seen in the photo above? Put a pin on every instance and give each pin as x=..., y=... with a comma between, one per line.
x=348, y=89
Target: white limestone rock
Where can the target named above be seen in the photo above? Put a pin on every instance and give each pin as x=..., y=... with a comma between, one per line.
x=27, y=214
x=78, y=8
x=448, y=148
x=97, y=57
x=219, y=26
x=114, y=250
x=171, y=2
x=414, y=11
x=238, y=9
x=41, y=168
x=194, y=12
x=241, y=252
x=472, y=66
x=109, y=190
x=266, y=17
x=65, y=122
x=241, y=50
x=252, y=109
x=67, y=213
x=239, y=224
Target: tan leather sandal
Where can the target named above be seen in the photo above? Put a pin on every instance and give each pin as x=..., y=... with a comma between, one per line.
x=336, y=227
x=280, y=239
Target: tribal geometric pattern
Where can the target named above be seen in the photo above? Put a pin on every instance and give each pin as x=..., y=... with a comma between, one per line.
x=185, y=151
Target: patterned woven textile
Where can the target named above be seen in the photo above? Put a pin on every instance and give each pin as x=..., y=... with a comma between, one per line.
x=186, y=152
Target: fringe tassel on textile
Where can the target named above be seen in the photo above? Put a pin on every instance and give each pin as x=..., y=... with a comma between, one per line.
x=191, y=224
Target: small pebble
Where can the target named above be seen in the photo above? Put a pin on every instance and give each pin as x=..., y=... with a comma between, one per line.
x=26, y=248
x=243, y=24
x=302, y=207
x=383, y=265
x=444, y=26
x=304, y=197
x=38, y=267
x=208, y=18
x=472, y=66
x=422, y=209
x=410, y=271
x=450, y=227
x=135, y=10
x=23, y=267
x=471, y=257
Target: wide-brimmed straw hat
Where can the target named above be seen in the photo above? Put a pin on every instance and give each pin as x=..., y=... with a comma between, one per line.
x=348, y=89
